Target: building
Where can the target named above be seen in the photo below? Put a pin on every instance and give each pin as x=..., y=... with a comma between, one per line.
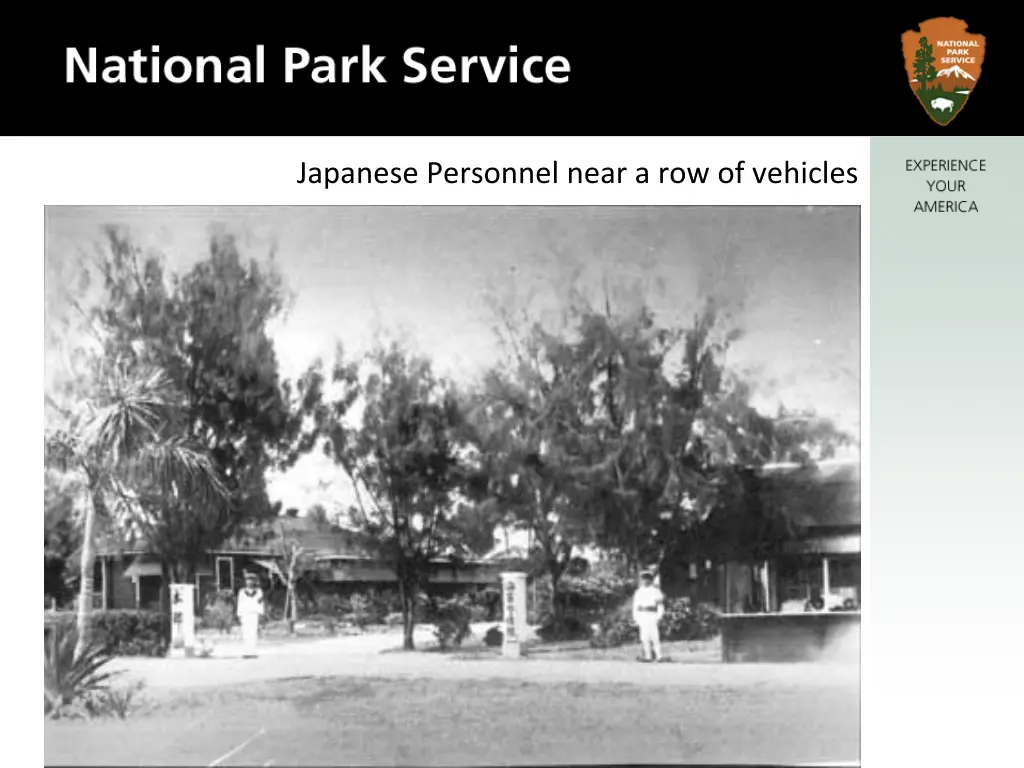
x=130, y=576
x=818, y=549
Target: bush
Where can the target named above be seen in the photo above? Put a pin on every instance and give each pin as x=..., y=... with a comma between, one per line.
x=584, y=600
x=361, y=610
x=594, y=596
x=684, y=622
x=487, y=603
x=588, y=597
x=571, y=628
x=494, y=637
x=71, y=683
x=451, y=619
x=122, y=632
x=680, y=622
x=219, y=611
x=382, y=602
x=478, y=614
x=329, y=605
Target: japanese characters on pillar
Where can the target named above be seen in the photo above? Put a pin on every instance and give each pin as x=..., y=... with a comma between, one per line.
x=514, y=604
x=183, y=619
x=510, y=612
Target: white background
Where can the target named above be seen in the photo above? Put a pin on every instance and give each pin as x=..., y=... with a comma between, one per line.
x=262, y=171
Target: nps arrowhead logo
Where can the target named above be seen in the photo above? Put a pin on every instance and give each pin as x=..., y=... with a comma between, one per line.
x=943, y=64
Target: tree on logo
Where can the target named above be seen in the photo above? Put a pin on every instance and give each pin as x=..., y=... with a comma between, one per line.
x=924, y=63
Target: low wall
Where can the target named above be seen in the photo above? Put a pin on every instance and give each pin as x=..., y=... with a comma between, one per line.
x=791, y=637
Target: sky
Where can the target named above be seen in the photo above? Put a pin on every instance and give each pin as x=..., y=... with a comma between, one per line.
x=792, y=275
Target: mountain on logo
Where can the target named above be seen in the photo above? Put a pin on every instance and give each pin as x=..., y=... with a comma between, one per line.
x=956, y=73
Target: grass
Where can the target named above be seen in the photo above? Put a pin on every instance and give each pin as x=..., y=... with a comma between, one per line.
x=473, y=648
x=959, y=99
x=337, y=721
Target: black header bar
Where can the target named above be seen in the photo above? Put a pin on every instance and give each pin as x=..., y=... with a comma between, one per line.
x=726, y=71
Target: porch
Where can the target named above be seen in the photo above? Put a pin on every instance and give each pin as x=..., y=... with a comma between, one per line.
x=803, y=604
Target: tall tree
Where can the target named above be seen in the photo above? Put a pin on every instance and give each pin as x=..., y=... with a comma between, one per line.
x=924, y=64
x=128, y=432
x=703, y=442
x=534, y=438
x=405, y=456
x=629, y=417
x=207, y=329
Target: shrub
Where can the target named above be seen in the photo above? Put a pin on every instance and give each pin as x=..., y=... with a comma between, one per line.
x=494, y=637
x=587, y=597
x=219, y=611
x=684, y=622
x=122, y=632
x=116, y=702
x=478, y=614
x=451, y=619
x=487, y=602
x=69, y=682
x=382, y=602
x=361, y=610
x=591, y=597
x=571, y=628
x=680, y=622
x=583, y=600
x=329, y=605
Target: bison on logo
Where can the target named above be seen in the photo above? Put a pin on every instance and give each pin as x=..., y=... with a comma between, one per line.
x=943, y=63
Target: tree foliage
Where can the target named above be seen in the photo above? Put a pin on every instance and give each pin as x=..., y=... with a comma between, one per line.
x=128, y=434
x=535, y=441
x=206, y=330
x=399, y=434
x=625, y=432
x=924, y=63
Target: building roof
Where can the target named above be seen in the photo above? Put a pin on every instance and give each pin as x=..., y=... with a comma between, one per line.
x=323, y=539
x=320, y=538
x=826, y=495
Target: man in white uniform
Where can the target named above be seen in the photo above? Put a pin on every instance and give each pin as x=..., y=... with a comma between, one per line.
x=648, y=608
x=250, y=609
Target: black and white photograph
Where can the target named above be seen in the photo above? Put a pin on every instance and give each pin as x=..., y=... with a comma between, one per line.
x=439, y=485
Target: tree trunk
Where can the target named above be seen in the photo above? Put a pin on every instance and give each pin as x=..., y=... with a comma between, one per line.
x=407, y=594
x=292, y=607
x=88, y=568
x=557, y=609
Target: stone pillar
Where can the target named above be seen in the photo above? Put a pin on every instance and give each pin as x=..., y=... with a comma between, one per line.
x=183, y=620
x=513, y=600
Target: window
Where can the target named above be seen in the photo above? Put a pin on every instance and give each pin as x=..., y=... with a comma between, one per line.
x=844, y=572
x=226, y=573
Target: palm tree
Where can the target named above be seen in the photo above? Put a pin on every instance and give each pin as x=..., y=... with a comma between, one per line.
x=126, y=433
